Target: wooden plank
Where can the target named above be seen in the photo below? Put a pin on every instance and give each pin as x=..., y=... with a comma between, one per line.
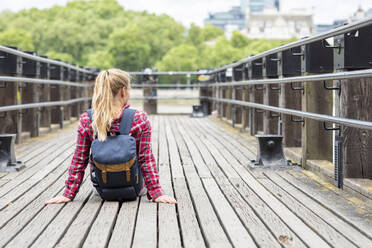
x=59, y=224
x=212, y=231
x=238, y=234
x=79, y=229
x=145, y=234
x=41, y=167
x=123, y=230
x=32, y=165
x=190, y=230
x=247, y=147
x=358, y=217
x=318, y=208
x=45, y=219
x=302, y=230
x=100, y=231
x=169, y=233
x=32, y=181
x=30, y=203
x=247, y=210
x=327, y=231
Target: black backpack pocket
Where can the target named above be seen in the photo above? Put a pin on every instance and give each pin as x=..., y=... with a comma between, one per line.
x=118, y=194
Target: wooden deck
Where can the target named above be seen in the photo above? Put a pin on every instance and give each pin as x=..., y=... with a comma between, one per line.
x=221, y=202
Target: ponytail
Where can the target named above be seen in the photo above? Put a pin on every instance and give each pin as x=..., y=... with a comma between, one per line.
x=108, y=84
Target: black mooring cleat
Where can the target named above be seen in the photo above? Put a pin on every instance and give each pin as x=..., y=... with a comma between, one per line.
x=270, y=154
x=8, y=160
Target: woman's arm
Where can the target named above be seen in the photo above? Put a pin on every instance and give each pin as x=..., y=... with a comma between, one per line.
x=78, y=164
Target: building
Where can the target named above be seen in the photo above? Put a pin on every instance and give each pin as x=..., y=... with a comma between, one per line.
x=258, y=6
x=234, y=19
x=271, y=24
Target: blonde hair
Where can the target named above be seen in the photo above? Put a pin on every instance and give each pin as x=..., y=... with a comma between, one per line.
x=107, y=86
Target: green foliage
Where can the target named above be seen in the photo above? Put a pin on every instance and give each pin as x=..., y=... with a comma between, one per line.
x=61, y=56
x=238, y=40
x=18, y=38
x=101, y=33
x=184, y=57
x=211, y=32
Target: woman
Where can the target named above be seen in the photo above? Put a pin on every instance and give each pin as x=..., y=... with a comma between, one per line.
x=110, y=98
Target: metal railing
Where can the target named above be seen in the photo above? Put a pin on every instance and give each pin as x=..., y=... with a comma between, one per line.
x=31, y=85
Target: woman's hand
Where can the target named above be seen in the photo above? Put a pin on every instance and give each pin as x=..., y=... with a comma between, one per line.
x=166, y=199
x=57, y=199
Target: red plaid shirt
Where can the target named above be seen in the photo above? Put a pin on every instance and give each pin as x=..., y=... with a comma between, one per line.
x=141, y=131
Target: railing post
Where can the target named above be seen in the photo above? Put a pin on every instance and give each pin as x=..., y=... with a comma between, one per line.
x=316, y=141
x=10, y=94
x=19, y=100
x=149, y=106
x=67, y=93
x=237, y=75
x=256, y=96
x=30, y=94
x=245, y=97
x=45, y=90
x=290, y=65
x=271, y=97
x=354, y=101
x=55, y=92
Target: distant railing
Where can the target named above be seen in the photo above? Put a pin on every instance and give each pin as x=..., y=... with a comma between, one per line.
x=31, y=86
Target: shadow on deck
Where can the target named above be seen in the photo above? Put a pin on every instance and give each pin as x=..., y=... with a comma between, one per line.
x=221, y=202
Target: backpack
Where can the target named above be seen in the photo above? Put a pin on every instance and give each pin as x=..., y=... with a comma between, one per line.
x=116, y=174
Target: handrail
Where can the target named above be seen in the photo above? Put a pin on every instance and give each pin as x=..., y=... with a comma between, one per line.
x=166, y=73
x=314, y=116
x=41, y=59
x=165, y=85
x=42, y=81
x=310, y=78
x=166, y=98
x=324, y=35
x=42, y=104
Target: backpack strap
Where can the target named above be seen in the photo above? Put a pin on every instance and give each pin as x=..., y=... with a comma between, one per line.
x=126, y=121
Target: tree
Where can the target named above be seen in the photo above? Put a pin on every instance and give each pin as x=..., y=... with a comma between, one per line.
x=129, y=49
x=181, y=58
x=238, y=40
x=18, y=38
x=211, y=32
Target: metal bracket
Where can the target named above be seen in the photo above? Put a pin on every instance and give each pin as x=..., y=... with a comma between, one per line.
x=257, y=63
x=338, y=87
x=274, y=88
x=330, y=128
x=274, y=115
x=259, y=110
x=298, y=120
x=22, y=85
x=297, y=54
x=302, y=88
x=339, y=47
x=3, y=85
x=275, y=59
x=259, y=88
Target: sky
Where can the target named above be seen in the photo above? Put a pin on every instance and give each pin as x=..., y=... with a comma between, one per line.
x=188, y=11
